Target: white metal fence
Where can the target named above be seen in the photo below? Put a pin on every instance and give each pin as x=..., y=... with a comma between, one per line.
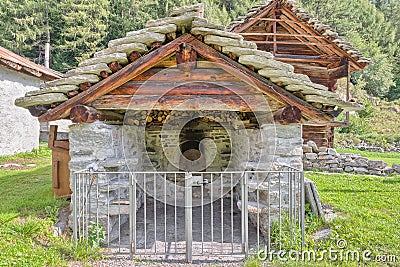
x=187, y=215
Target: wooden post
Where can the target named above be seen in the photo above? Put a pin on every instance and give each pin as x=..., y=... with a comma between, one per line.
x=287, y=115
x=81, y=113
x=186, y=57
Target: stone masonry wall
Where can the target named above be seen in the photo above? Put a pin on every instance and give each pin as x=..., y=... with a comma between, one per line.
x=19, y=130
x=328, y=159
x=112, y=148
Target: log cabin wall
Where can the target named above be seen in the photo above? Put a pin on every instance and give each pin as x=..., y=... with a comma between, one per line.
x=294, y=36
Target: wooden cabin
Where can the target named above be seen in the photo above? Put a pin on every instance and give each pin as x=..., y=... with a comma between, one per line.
x=18, y=77
x=296, y=37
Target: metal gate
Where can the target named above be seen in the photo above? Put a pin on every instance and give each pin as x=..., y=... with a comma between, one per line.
x=177, y=215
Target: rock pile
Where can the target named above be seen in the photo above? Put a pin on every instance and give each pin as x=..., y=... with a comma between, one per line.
x=328, y=159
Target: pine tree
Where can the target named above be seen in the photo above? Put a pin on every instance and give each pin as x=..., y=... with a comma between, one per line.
x=82, y=29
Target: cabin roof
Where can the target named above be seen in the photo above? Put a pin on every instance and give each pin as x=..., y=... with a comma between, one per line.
x=311, y=31
x=162, y=38
x=20, y=64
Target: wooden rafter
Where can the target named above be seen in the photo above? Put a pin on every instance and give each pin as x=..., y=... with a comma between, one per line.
x=259, y=82
x=103, y=87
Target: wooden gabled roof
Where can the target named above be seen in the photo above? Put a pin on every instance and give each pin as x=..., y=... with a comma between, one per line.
x=20, y=64
x=109, y=70
x=284, y=28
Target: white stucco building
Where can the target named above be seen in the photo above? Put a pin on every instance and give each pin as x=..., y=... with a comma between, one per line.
x=19, y=129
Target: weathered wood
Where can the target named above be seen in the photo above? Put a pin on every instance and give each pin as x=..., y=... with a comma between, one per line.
x=85, y=86
x=184, y=88
x=103, y=87
x=196, y=75
x=73, y=93
x=134, y=56
x=259, y=82
x=156, y=45
x=287, y=115
x=186, y=57
x=81, y=114
x=115, y=66
x=184, y=102
x=104, y=74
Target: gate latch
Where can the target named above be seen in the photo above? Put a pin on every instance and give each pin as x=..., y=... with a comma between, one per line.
x=198, y=180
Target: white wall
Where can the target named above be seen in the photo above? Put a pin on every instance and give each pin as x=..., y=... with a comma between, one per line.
x=19, y=130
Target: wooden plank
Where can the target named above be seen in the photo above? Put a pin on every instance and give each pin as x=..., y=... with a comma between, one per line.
x=280, y=34
x=259, y=82
x=184, y=88
x=61, y=144
x=291, y=43
x=52, y=136
x=56, y=179
x=117, y=79
x=183, y=102
x=175, y=75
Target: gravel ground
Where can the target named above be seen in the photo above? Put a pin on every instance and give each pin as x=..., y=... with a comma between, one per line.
x=125, y=262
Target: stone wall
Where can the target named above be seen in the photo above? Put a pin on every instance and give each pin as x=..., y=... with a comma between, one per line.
x=19, y=130
x=113, y=148
x=328, y=159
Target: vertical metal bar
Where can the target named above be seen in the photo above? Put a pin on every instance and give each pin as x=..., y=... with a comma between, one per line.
x=269, y=214
x=188, y=216
x=222, y=213
x=119, y=212
x=202, y=217
x=290, y=207
x=97, y=211
x=74, y=208
x=302, y=209
x=165, y=213
x=108, y=212
x=231, y=212
x=145, y=212
x=155, y=212
x=258, y=214
x=175, y=226
x=212, y=213
x=245, y=218
x=132, y=210
x=280, y=209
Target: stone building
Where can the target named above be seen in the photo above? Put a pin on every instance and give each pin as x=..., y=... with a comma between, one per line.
x=18, y=76
x=184, y=95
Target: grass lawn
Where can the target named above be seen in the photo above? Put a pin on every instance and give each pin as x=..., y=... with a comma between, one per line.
x=388, y=157
x=369, y=219
x=28, y=212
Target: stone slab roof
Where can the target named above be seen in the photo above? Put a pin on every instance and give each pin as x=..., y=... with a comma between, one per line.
x=20, y=64
x=325, y=30
x=157, y=34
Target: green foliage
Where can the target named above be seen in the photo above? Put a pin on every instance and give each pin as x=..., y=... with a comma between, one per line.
x=96, y=235
x=27, y=214
x=375, y=31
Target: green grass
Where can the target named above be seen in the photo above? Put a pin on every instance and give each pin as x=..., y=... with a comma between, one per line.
x=369, y=209
x=388, y=157
x=27, y=214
